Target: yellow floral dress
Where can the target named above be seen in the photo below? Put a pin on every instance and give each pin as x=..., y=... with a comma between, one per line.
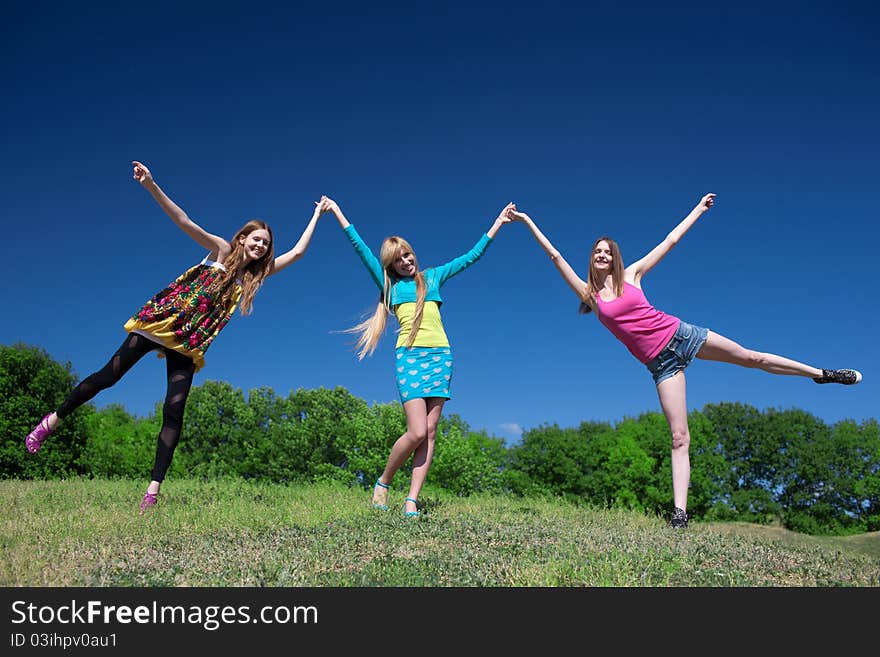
x=188, y=314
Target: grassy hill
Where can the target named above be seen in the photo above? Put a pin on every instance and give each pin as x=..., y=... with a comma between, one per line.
x=231, y=533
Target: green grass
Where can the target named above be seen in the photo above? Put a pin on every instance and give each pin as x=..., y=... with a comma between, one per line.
x=231, y=533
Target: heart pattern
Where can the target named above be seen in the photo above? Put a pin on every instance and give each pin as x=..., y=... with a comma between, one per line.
x=423, y=372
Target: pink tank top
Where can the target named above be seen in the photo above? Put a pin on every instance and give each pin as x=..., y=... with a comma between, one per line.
x=636, y=323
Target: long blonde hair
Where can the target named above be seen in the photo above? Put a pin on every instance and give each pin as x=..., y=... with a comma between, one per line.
x=372, y=328
x=251, y=275
x=593, y=283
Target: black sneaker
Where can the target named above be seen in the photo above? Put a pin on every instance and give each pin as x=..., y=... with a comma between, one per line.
x=846, y=377
x=679, y=519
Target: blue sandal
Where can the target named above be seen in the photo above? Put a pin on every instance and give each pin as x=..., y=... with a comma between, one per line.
x=410, y=514
x=381, y=507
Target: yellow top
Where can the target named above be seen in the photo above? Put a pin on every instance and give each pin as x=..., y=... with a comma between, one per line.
x=430, y=333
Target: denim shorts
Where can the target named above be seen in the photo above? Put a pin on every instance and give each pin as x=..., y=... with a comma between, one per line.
x=678, y=352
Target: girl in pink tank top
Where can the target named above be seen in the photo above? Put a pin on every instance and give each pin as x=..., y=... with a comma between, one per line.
x=665, y=344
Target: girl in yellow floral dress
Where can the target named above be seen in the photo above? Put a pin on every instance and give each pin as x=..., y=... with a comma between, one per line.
x=181, y=321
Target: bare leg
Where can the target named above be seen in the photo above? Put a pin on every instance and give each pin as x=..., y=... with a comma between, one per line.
x=424, y=453
x=673, y=400
x=415, y=434
x=719, y=348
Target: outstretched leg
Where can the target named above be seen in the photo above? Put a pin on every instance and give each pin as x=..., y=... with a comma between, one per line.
x=673, y=400
x=719, y=348
x=132, y=349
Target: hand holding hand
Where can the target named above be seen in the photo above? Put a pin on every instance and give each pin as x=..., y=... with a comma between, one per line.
x=504, y=216
x=515, y=215
x=142, y=173
x=328, y=205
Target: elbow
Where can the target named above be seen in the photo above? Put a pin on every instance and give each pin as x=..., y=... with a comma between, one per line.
x=553, y=254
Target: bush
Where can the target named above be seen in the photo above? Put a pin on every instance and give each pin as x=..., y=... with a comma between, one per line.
x=119, y=444
x=31, y=385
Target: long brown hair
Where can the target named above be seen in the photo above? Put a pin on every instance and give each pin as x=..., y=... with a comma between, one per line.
x=593, y=283
x=371, y=329
x=252, y=274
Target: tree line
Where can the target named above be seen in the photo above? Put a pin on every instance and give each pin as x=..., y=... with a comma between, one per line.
x=772, y=466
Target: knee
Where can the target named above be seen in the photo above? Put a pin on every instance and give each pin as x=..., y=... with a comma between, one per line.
x=681, y=438
x=172, y=414
x=418, y=434
x=756, y=359
x=100, y=380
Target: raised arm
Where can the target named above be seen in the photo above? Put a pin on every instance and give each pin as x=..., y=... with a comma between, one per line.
x=641, y=267
x=578, y=285
x=299, y=249
x=328, y=204
x=500, y=220
x=218, y=246
x=371, y=262
x=457, y=265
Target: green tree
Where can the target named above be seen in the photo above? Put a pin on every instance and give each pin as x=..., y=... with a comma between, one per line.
x=466, y=462
x=554, y=461
x=216, y=422
x=303, y=436
x=833, y=483
x=860, y=477
x=710, y=490
x=32, y=384
x=631, y=473
x=367, y=446
x=756, y=463
x=119, y=444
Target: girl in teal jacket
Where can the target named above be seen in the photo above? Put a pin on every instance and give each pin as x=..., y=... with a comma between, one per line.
x=423, y=356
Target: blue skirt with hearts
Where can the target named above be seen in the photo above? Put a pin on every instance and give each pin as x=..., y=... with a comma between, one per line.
x=423, y=372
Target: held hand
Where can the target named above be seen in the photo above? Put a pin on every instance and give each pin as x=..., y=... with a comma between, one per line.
x=504, y=216
x=320, y=207
x=516, y=215
x=328, y=205
x=706, y=202
x=142, y=173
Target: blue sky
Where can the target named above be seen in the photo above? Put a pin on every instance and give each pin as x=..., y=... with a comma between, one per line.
x=424, y=120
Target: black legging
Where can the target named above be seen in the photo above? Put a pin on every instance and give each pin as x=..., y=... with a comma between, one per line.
x=180, y=375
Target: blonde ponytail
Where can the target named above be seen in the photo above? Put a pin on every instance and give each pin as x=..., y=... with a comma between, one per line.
x=370, y=330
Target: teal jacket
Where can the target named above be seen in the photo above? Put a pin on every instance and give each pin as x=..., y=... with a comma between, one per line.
x=403, y=290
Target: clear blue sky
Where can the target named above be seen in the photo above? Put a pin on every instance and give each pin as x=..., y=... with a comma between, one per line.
x=424, y=120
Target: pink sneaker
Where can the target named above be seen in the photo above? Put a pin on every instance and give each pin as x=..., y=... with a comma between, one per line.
x=35, y=438
x=149, y=501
